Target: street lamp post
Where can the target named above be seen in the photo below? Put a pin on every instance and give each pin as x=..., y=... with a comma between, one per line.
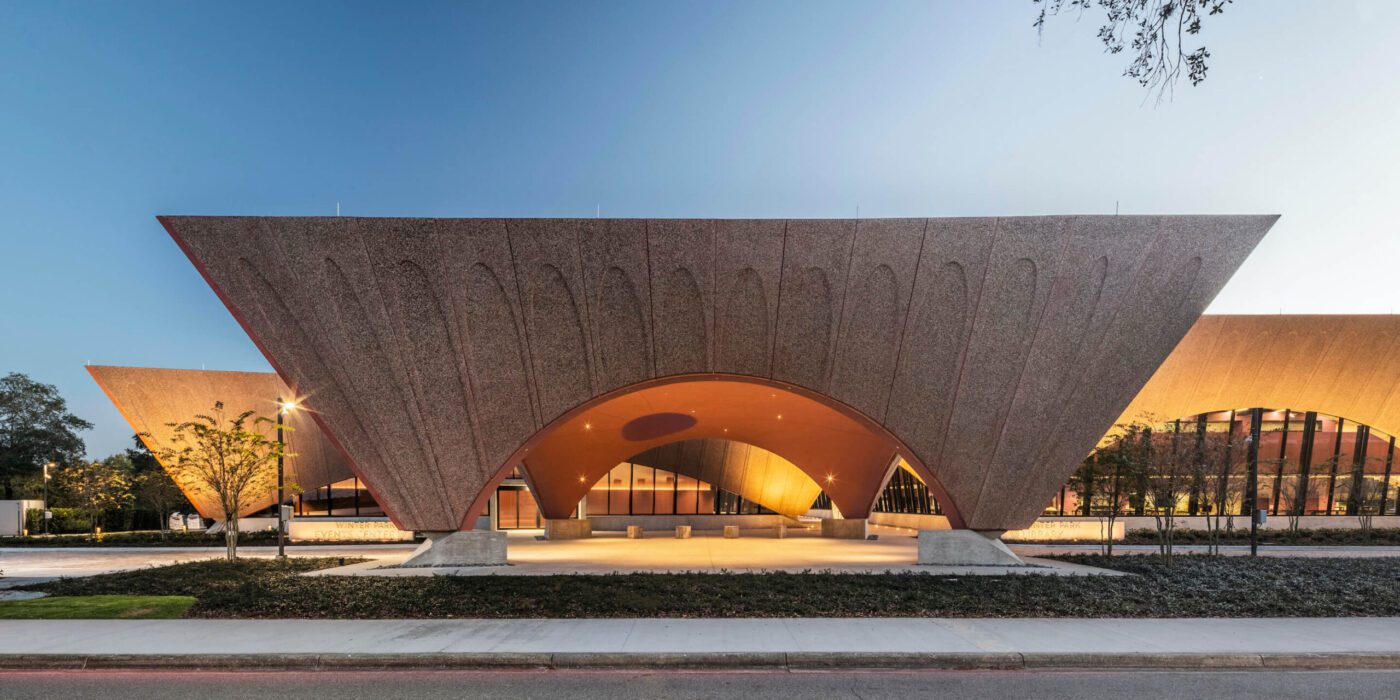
x=1256, y=416
x=282, y=408
x=45, y=515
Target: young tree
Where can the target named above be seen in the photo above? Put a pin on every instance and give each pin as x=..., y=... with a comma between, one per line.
x=93, y=487
x=1219, y=468
x=1120, y=464
x=1169, y=464
x=231, y=457
x=1364, y=501
x=35, y=428
x=157, y=490
x=1292, y=493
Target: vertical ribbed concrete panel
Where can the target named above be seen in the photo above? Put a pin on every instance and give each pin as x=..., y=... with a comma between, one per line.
x=682, y=278
x=992, y=353
x=881, y=280
x=151, y=399
x=748, y=269
x=546, y=254
x=815, y=260
x=615, y=267
x=941, y=313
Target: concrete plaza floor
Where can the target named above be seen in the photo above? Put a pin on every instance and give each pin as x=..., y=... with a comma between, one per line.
x=895, y=550
x=757, y=550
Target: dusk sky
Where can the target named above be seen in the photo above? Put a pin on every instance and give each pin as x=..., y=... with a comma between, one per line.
x=114, y=112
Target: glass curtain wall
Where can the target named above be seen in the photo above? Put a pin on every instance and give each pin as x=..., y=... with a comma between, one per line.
x=346, y=498
x=1309, y=464
x=636, y=489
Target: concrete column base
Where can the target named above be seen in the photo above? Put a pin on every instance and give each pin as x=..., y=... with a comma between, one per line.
x=780, y=531
x=844, y=529
x=569, y=529
x=634, y=532
x=682, y=532
x=731, y=532
x=964, y=548
x=462, y=548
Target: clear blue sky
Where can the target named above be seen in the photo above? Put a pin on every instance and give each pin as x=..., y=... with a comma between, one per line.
x=113, y=112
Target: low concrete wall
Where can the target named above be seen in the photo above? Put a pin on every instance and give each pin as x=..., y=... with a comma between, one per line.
x=345, y=530
x=1078, y=529
x=658, y=523
x=913, y=521
x=1275, y=522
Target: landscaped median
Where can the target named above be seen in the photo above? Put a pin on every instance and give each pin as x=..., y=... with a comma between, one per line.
x=98, y=607
x=1195, y=586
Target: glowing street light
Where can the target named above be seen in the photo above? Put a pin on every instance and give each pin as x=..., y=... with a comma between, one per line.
x=283, y=408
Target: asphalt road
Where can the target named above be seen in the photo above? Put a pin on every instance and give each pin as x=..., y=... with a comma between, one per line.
x=613, y=685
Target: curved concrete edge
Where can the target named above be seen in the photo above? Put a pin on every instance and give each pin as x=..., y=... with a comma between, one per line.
x=797, y=661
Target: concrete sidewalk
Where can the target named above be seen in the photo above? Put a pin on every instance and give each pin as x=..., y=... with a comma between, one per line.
x=689, y=643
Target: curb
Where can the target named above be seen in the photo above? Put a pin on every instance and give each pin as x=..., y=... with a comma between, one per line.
x=789, y=661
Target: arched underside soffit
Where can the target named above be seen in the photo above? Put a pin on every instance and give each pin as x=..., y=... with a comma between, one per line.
x=755, y=474
x=1346, y=366
x=845, y=452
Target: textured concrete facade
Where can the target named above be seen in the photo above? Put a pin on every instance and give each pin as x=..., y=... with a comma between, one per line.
x=991, y=353
x=151, y=399
x=1346, y=366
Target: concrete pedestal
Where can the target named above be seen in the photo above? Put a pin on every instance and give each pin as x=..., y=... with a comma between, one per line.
x=844, y=529
x=731, y=532
x=964, y=548
x=682, y=532
x=634, y=532
x=570, y=529
x=462, y=548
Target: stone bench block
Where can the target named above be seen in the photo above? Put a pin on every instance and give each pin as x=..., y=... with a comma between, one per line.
x=844, y=529
x=568, y=529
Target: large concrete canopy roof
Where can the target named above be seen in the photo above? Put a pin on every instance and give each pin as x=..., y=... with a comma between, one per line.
x=151, y=399
x=998, y=350
x=1346, y=366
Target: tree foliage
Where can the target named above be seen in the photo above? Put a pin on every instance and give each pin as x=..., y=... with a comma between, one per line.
x=93, y=487
x=1155, y=31
x=35, y=428
x=230, y=457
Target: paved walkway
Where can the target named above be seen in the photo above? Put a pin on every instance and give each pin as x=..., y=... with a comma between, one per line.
x=25, y=565
x=611, y=552
x=885, y=642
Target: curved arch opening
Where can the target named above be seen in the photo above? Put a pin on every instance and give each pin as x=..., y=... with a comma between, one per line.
x=845, y=452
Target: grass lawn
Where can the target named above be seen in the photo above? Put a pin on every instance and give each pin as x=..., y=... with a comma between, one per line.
x=1196, y=586
x=98, y=607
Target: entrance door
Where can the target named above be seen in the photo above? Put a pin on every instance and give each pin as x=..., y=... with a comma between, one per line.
x=517, y=509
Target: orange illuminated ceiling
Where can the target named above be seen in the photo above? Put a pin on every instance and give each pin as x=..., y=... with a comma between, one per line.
x=755, y=474
x=1337, y=365
x=847, y=454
